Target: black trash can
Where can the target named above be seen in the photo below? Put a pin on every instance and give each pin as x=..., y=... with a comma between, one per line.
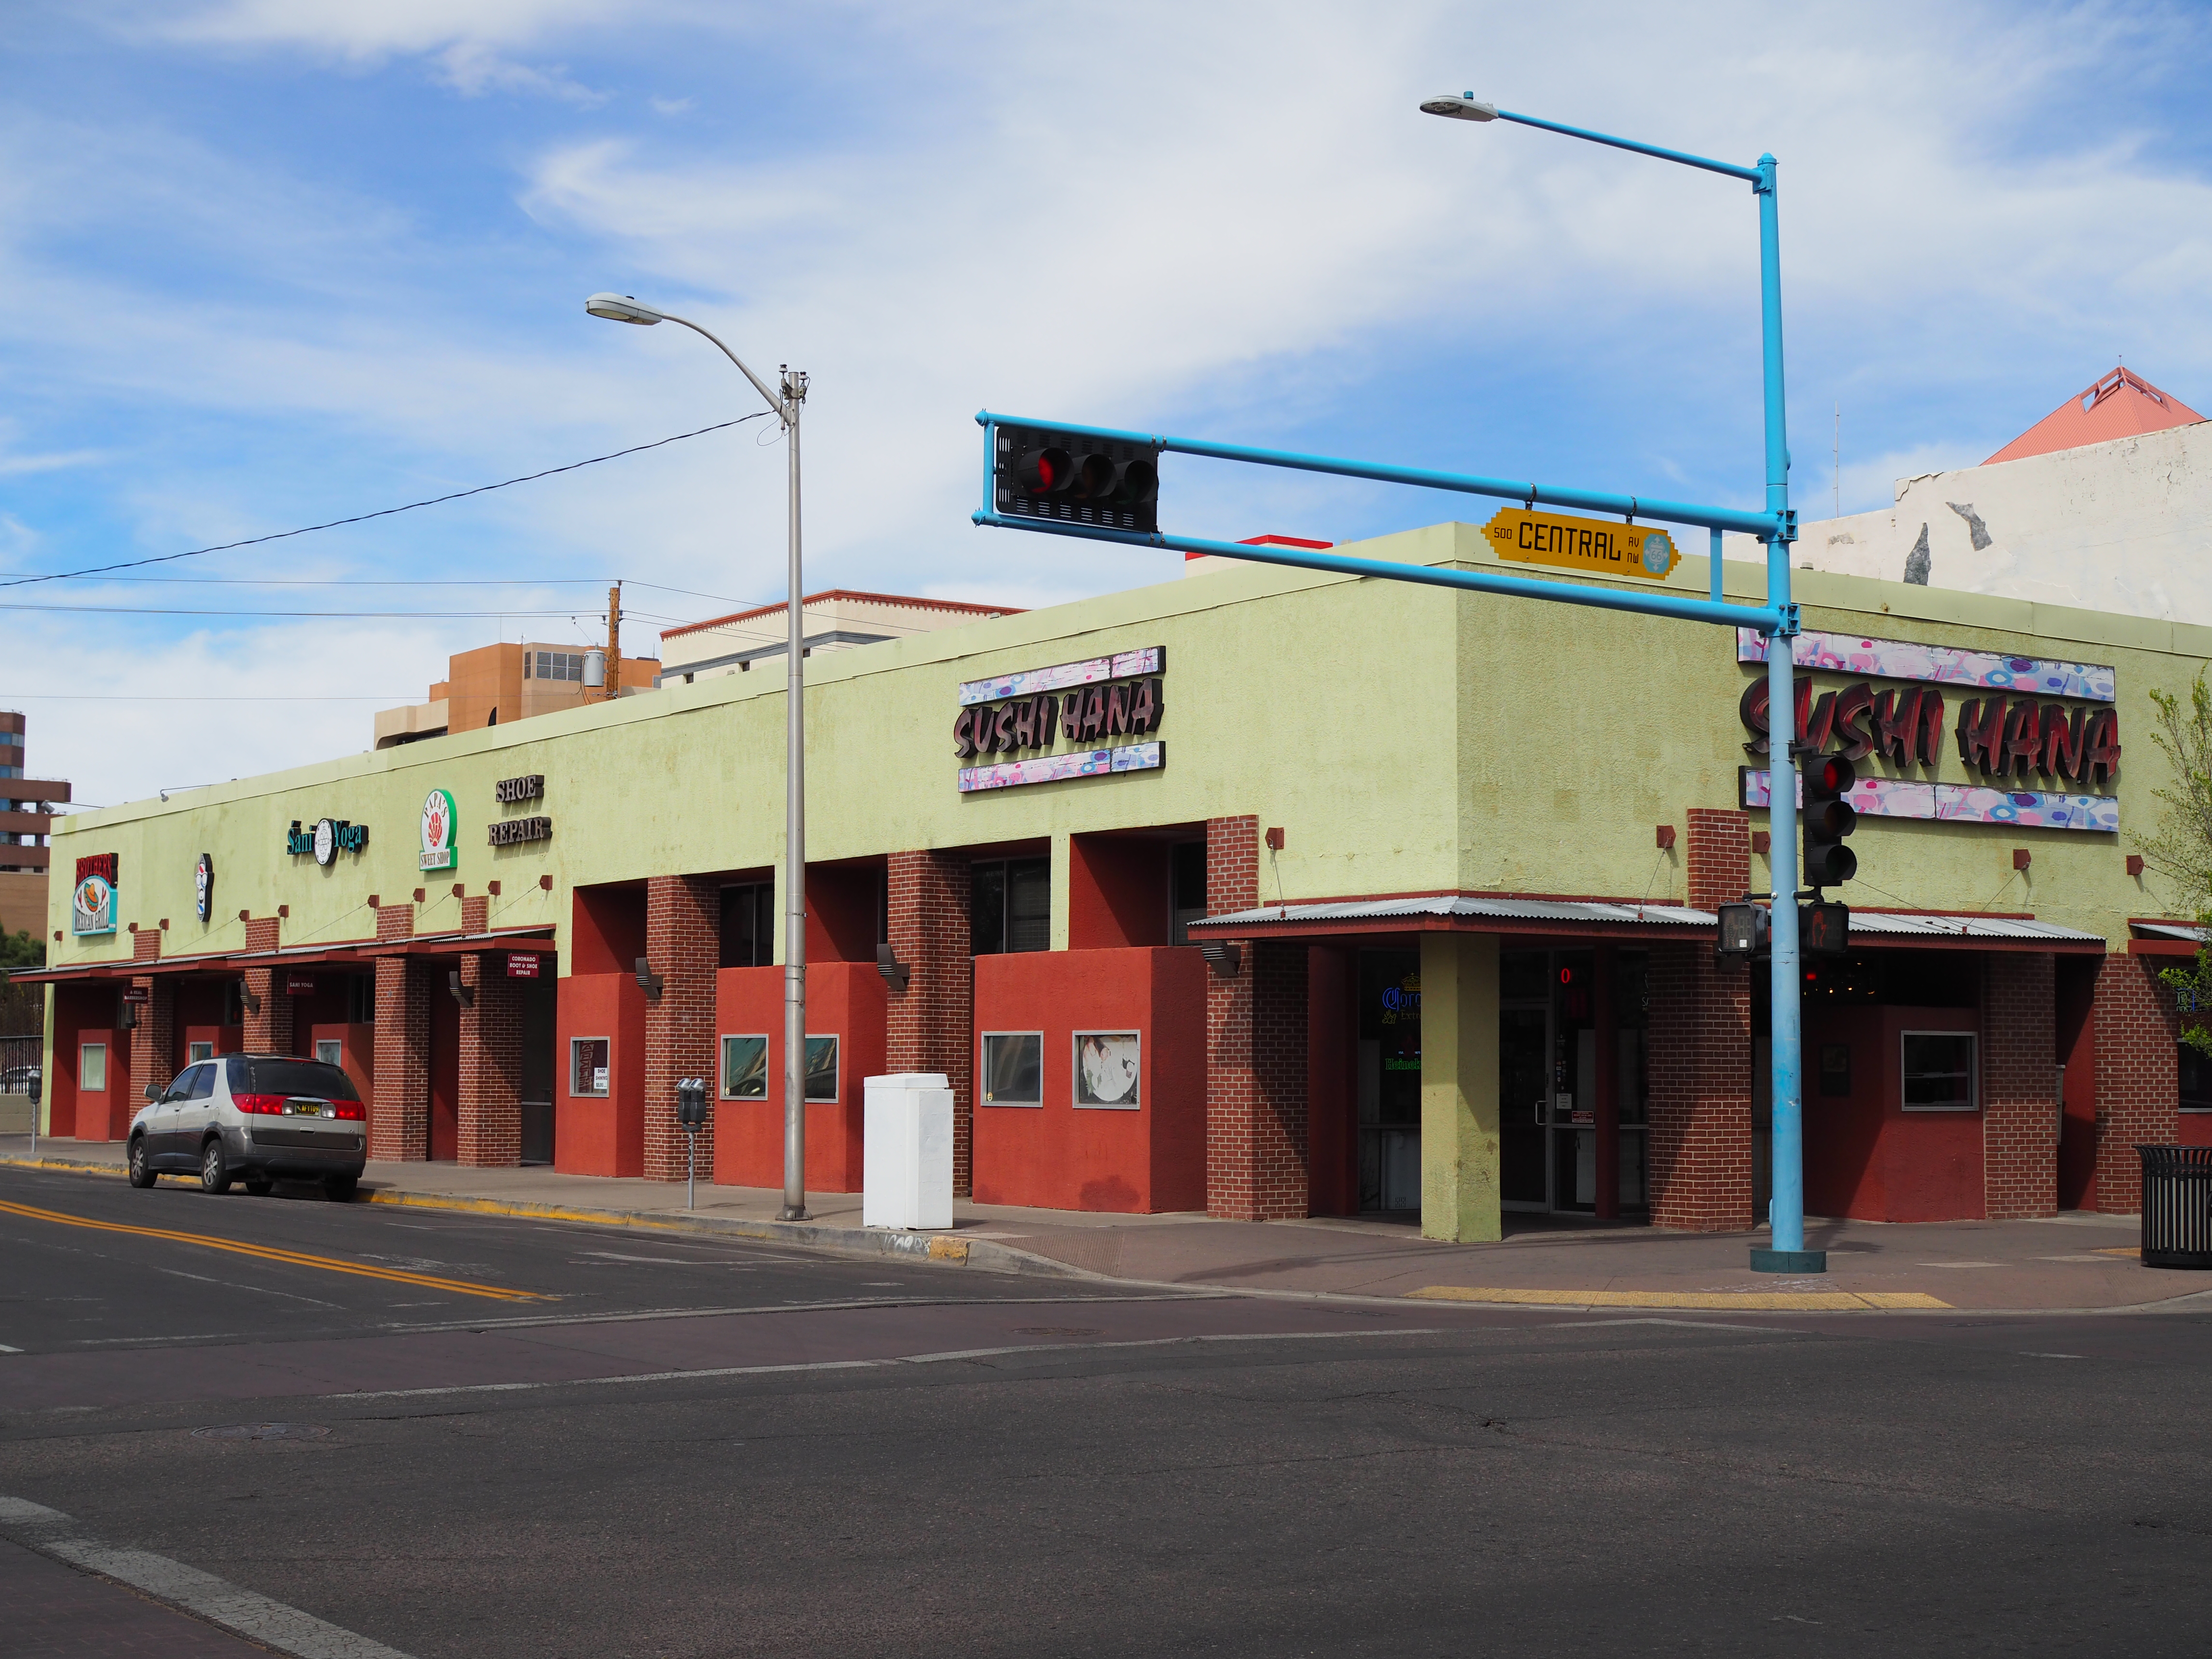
x=2177, y=1207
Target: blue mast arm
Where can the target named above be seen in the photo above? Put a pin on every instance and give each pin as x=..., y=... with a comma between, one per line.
x=1678, y=606
x=1764, y=525
x=1664, y=154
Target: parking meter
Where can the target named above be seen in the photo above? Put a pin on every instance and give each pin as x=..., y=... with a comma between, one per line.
x=691, y=1113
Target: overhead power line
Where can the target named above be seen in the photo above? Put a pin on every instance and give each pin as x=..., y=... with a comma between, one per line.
x=381, y=512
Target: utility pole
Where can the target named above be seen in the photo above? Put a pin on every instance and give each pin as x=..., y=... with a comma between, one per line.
x=614, y=641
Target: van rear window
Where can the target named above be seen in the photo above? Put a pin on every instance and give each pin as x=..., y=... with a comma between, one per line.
x=289, y=1076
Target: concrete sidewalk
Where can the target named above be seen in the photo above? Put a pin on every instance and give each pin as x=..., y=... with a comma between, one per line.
x=2076, y=1261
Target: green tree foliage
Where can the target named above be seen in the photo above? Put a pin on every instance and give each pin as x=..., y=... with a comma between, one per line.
x=2181, y=851
x=21, y=950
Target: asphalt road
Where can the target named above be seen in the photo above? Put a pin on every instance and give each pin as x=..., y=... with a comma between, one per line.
x=458, y=1435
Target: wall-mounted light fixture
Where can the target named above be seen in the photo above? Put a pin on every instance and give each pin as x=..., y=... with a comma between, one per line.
x=249, y=1002
x=896, y=973
x=1224, y=958
x=463, y=995
x=650, y=982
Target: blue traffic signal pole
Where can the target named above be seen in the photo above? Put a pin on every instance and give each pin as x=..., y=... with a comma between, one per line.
x=1777, y=619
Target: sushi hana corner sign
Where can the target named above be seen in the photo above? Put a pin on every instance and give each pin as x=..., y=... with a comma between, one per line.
x=91, y=907
x=440, y=851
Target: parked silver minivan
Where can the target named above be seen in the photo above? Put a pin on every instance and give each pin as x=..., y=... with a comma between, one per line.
x=253, y=1118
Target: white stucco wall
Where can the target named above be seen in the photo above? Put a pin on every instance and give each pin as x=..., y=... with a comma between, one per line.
x=2121, y=526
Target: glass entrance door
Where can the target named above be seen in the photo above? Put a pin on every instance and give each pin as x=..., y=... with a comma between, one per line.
x=1389, y=1081
x=1548, y=1037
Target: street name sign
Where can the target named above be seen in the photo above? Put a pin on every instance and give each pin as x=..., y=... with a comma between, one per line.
x=1596, y=546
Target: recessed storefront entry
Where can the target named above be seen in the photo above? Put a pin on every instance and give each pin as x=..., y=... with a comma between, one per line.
x=1561, y=1013
x=1390, y=1082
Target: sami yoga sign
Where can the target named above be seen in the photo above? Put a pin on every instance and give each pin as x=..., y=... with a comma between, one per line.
x=1080, y=703
x=2010, y=741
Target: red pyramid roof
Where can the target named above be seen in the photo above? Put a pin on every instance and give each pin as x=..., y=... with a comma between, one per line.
x=2120, y=405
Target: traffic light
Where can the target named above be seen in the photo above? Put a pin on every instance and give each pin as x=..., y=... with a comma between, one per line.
x=1828, y=818
x=1047, y=473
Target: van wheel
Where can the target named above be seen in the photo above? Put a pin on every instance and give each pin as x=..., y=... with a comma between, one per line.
x=259, y=1186
x=340, y=1188
x=141, y=1167
x=214, y=1168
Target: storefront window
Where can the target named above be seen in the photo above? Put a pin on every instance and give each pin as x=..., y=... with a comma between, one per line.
x=589, y=1061
x=1109, y=1067
x=2195, y=1067
x=822, y=1068
x=92, y=1067
x=744, y=1068
x=749, y=925
x=1939, y=1071
x=1010, y=906
x=1013, y=1069
x=1187, y=880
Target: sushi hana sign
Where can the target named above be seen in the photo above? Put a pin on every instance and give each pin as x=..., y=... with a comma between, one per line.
x=1087, y=704
x=2005, y=743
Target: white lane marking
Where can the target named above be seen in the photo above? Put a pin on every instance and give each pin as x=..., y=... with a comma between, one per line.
x=1962, y=1264
x=2026, y=1353
x=249, y=1614
x=4, y=1348
x=177, y=1273
x=865, y=1365
x=666, y=1260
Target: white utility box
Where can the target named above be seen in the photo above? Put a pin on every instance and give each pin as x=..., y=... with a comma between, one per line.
x=906, y=1159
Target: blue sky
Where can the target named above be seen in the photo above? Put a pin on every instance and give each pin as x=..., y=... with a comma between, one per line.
x=277, y=261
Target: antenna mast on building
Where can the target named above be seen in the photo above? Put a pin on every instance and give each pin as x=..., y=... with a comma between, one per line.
x=1836, y=462
x=614, y=641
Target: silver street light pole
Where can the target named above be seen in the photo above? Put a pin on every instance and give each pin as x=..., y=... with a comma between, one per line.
x=785, y=403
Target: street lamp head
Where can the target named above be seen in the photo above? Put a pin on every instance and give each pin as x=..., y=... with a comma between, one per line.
x=620, y=308
x=1463, y=107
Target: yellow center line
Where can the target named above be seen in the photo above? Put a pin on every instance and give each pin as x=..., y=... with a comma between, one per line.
x=1761, y=1301
x=289, y=1258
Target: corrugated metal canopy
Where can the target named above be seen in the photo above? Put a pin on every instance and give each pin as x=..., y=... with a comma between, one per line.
x=1536, y=915
x=1455, y=905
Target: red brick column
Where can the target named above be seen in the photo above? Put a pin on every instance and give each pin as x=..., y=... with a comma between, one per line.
x=1718, y=863
x=1255, y=1050
x=490, y=1103
x=2020, y=1087
x=399, y=1113
x=154, y=1044
x=2138, y=1078
x=1700, y=1053
x=931, y=1025
x=683, y=943
x=268, y=1028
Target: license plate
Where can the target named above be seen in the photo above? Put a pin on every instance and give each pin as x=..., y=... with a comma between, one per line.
x=305, y=1107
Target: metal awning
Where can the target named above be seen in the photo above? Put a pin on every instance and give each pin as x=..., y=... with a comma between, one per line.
x=358, y=952
x=1463, y=912
x=1616, y=919
x=2154, y=936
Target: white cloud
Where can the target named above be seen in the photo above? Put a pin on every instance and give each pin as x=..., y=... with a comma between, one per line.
x=1228, y=216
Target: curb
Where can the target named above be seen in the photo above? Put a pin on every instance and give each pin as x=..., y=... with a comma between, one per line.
x=945, y=1249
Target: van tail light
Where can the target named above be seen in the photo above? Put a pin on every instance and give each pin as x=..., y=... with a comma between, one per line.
x=266, y=1105
x=352, y=1110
